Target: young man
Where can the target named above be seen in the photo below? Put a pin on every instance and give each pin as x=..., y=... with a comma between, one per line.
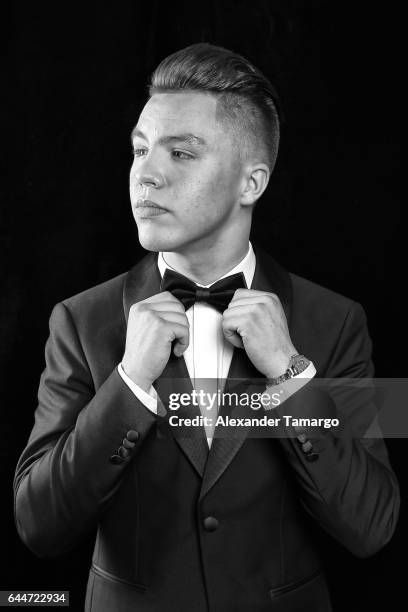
x=198, y=522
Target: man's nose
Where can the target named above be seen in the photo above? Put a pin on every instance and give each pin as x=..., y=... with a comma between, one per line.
x=147, y=173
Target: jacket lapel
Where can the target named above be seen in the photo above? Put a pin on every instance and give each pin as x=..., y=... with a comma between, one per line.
x=270, y=277
x=141, y=282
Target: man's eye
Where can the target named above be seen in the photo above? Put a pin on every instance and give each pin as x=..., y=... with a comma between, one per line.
x=182, y=155
x=139, y=152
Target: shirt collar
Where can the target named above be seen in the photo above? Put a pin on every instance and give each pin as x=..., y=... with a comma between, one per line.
x=246, y=265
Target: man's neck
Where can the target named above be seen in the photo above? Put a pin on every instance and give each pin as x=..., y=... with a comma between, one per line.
x=205, y=268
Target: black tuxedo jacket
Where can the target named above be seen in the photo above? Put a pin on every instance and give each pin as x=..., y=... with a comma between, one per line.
x=179, y=528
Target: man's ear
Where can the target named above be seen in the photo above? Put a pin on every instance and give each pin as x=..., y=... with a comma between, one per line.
x=256, y=181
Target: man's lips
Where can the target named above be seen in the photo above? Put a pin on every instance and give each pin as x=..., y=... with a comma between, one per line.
x=148, y=208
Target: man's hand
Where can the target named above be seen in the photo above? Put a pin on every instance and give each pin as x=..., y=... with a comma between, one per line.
x=255, y=321
x=152, y=326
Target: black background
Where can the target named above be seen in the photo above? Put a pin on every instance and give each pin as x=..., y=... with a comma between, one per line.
x=75, y=81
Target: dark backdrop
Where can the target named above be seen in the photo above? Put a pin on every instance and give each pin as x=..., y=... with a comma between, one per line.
x=75, y=82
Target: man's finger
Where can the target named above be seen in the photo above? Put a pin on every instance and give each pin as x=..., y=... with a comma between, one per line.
x=262, y=299
x=238, y=310
x=181, y=334
x=174, y=317
x=168, y=305
x=249, y=293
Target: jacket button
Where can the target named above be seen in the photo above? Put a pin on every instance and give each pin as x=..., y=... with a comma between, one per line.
x=132, y=435
x=116, y=459
x=210, y=523
x=128, y=444
x=123, y=452
x=312, y=456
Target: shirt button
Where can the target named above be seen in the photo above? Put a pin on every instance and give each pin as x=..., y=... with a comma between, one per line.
x=132, y=435
x=312, y=456
x=210, y=523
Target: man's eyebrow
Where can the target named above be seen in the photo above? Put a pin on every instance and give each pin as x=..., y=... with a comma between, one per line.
x=137, y=133
x=187, y=138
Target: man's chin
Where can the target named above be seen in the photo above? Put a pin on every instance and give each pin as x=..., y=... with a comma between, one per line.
x=153, y=242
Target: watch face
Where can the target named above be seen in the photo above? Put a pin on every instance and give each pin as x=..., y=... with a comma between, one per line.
x=299, y=363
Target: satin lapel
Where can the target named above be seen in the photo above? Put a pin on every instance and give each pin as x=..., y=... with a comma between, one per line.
x=192, y=440
x=271, y=277
x=142, y=281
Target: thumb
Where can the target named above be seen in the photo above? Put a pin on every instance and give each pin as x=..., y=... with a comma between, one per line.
x=182, y=340
x=179, y=348
x=233, y=337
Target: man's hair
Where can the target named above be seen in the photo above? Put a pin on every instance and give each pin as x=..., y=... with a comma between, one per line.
x=246, y=99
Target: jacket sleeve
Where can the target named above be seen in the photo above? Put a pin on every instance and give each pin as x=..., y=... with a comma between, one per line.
x=71, y=466
x=345, y=480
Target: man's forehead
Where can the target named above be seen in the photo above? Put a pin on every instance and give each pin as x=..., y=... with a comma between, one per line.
x=188, y=112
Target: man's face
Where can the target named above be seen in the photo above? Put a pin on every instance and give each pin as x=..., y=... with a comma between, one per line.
x=185, y=163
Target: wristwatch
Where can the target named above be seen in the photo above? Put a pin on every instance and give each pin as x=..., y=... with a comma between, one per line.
x=297, y=364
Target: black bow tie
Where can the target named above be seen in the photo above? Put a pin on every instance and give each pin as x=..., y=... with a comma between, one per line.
x=218, y=295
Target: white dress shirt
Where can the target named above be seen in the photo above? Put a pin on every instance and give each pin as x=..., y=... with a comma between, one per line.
x=209, y=354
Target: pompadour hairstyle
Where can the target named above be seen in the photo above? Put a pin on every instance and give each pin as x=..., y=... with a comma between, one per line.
x=246, y=98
